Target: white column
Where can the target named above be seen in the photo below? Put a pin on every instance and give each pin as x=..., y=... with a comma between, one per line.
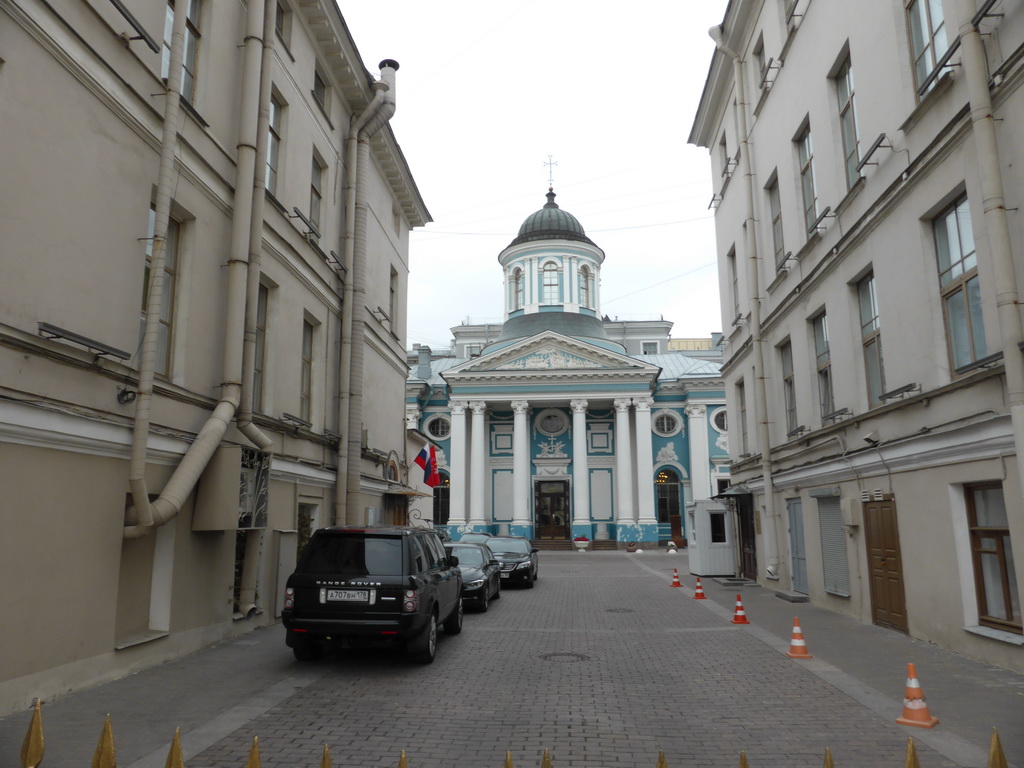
x=457, y=467
x=567, y=279
x=520, y=463
x=644, y=462
x=623, y=464
x=700, y=455
x=580, y=465
x=477, y=447
x=530, y=288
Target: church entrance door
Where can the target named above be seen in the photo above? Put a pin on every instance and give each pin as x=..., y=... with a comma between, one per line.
x=551, y=503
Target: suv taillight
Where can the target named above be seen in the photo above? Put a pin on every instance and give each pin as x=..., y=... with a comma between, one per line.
x=410, y=601
x=289, y=598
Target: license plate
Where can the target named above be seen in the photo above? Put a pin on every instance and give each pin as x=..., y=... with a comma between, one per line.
x=504, y=575
x=350, y=595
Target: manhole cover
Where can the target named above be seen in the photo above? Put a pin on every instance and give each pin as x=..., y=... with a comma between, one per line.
x=620, y=610
x=565, y=658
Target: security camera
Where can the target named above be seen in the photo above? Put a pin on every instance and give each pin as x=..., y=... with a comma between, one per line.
x=871, y=438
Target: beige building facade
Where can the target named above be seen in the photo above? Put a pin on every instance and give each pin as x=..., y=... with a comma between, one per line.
x=204, y=261
x=866, y=175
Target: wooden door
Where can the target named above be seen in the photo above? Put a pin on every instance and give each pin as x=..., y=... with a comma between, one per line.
x=746, y=531
x=551, y=504
x=888, y=603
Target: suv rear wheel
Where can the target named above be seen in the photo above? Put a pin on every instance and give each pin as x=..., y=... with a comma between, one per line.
x=423, y=648
x=453, y=624
x=307, y=652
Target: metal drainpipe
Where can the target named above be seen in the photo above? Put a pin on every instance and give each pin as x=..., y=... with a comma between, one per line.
x=770, y=535
x=983, y=130
x=255, y=234
x=362, y=128
x=155, y=291
x=178, y=488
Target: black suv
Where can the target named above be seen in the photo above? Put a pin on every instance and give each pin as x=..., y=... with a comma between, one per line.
x=372, y=586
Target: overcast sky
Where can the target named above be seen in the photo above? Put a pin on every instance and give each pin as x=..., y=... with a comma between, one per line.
x=487, y=91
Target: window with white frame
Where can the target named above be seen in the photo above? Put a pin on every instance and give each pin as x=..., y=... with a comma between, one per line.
x=282, y=22
x=666, y=423
x=871, y=340
x=167, y=285
x=260, y=353
x=190, y=53
x=393, y=298
x=439, y=427
x=734, y=281
x=585, y=281
x=274, y=144
x=808, y=188
x=306, y=372
x=518, y=284
x=995, y=575
x=823, y=363
x=316, y=183
x=775, y=208
x=741, y=408
x=321, y=91
x=788, y=385
x=649, y=348
x=759, y=60
x=927, y=37
x=551, y=283
x=848, y=122
x=959, y=284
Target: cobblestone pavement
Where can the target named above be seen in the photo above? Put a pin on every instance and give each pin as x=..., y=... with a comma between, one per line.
x=602, y=664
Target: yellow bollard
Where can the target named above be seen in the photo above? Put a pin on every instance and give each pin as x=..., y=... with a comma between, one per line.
x=325, y=761
x=508, y=760
x=546, y=760
x=254, y=754
x=911, y=761
x=662, y=762
x=996, y=758
x=174, y=758
x=32, y=748
x=402, y=762
x=104, y=757
x=828, y=759
x=743, y=760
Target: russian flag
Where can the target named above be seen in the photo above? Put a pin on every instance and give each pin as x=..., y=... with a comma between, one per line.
x=427, y=460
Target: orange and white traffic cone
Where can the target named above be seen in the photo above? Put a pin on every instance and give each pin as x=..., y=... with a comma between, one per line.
x=915, y=710
x=675, y=578
x=797, y=646
x=698, y=593
x=740, y=616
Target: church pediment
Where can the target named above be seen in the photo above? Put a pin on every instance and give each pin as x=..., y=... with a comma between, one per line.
x=552, y=352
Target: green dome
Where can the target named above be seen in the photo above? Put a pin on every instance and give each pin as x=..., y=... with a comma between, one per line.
x=551, y=223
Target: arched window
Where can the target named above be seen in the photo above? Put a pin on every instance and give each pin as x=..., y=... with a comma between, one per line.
x=517, y=289
x=584, y=286
x=442, y=499
x=667, y=486
x=550, y=293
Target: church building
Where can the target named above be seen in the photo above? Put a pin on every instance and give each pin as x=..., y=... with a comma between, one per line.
x=561, y=423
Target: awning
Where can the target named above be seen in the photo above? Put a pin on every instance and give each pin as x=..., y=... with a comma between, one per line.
x=401, y=490
x=732, y=491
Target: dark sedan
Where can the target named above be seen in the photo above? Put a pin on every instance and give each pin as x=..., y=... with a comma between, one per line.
x=518, y=558
x=481, y=573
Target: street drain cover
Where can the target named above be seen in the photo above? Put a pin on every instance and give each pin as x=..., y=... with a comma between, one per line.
x=565, y=658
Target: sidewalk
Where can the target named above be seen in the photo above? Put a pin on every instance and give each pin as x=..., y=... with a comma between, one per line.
x=869, y=663
x=216, y=692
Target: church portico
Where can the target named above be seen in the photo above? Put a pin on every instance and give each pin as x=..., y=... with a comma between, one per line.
x=552, y=430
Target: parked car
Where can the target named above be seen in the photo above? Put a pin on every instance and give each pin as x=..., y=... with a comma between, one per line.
x=356, y=587
x=518, y=557
x=481, y=573
x=474, y=538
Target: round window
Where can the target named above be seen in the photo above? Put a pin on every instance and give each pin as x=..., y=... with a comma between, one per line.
x=666, y=423
x=719, y=420
x=552, y=422
x=439, y=427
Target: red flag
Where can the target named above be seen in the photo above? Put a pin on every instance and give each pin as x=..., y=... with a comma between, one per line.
x=427, y=460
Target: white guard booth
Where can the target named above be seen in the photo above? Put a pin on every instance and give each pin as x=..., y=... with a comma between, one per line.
x=712, y=544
